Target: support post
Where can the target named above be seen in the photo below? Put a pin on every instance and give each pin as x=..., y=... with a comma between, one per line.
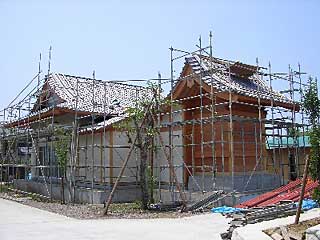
x=108, y=202
x=304, y=181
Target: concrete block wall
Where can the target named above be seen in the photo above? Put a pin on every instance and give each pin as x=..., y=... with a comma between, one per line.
x=257, y=182
x=81, y=194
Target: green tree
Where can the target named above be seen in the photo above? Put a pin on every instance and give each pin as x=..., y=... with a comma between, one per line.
x=294, y=132
x=314, y=167
x=311, y=102
x=311, y=105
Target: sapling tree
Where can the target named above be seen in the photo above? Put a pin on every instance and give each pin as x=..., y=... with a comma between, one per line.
x=144, y=110
x=62, y=148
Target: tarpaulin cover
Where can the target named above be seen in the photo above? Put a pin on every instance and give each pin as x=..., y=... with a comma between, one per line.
x=308, y=204
x=225, y=209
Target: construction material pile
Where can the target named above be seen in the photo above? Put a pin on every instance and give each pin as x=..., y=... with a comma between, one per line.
x=206, y=201
x=200, y=204
x=291, y=191
x=278, y=203
x=254, y=215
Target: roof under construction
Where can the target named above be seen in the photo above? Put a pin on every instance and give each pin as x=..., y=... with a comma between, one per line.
x=62, y=93
x=90, y=95
x=242, y=79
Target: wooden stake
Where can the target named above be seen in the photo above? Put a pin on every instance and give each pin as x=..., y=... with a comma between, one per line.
x=105, y=210
x=304, y=181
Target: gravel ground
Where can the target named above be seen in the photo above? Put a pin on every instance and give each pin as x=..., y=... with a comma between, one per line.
x=89, y=211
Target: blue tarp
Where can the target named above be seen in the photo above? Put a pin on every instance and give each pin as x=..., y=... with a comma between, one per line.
x=308, y=204
x=225, y=209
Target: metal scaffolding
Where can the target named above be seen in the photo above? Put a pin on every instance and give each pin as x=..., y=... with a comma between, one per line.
x=209, y=145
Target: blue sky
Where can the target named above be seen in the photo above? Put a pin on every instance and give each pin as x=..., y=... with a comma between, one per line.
x=130, y=39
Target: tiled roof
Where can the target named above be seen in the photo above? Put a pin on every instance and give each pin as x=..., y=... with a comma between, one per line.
x=90, y=95
x=249, y=84
x=107, y=99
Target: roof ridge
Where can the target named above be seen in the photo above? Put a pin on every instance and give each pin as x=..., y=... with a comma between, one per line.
x=98, y=80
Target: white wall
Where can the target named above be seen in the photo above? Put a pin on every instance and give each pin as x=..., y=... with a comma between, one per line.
x=131, y=173
x=160, y=159
x=177, y=152
x=103, y=159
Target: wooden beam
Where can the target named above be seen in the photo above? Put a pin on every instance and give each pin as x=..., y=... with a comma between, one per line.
x=111, y=158
x=304, y=182
x=101, y=158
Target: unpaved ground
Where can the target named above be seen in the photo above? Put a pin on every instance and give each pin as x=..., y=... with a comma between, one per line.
x=89, y=211
x=21, y=222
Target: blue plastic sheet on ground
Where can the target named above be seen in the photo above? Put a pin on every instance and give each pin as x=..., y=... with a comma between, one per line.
x=225, y=209
x=308, y=204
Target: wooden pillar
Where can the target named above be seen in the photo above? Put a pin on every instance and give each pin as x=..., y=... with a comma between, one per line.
x=111, y=158
x=101, y=157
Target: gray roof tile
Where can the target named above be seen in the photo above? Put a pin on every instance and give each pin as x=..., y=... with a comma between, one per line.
x=90, y=95
x=218, y=72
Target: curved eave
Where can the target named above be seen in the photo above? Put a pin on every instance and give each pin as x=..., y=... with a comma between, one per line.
x=26, y=121
x=183, y=88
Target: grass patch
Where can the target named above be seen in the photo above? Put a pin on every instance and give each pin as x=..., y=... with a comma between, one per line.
x=126, y=207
